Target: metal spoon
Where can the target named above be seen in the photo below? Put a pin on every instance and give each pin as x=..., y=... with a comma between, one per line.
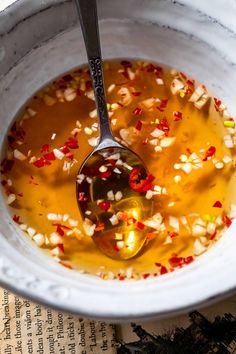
x=123, y=236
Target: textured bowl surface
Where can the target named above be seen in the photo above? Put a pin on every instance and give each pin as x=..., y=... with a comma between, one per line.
x=39, y=41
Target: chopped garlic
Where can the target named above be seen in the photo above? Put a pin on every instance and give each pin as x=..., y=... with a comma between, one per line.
x=53, y=217
x=167, y=141
x=73, y=222
x=219, y=165
x=159, y=81
x=199, y=248
x=177, y=179
x=118, y=196
x=111, y=88
x=120, y=244
x=59, y=155
x=18, y=155
x=110, y=195
x=39, y=239
x=89, y=227
x=176, y=86
x=114, y=220
x=88, y=131
x=128, y=135
x=187, y=167
x=174, y=223
x=11, y=198
x=154, y=222
x=93, y=141
x=198, y=230
x=31, y=231
x=54, y=238
x=70, y=94
x=102, y=169
x=156, y=133
x=211, y=228
x=80, y=178
x=93, y=114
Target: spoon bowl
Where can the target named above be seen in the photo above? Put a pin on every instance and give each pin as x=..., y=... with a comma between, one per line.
x=111, y=203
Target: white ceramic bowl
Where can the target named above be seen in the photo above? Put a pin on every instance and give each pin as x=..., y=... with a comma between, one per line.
x=38, y=41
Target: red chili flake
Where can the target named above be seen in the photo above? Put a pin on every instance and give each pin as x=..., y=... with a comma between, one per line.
x=116, y=248
x=217, y=204
x=72, y=143
x=157, y=70
x=70, y=156
x=136, y=93
x=217, y=104
x=213, y=236
x=121, y=276
x=190, y=87
x=139, y=125
x=123, y=216
x=7, y=165
x=104, y=205
x=20, y=194
x=163, y=270
x=61, y=247
x=226, y=220
x=120, y=104
x=188, y=151
x=78, y=92
x=177, y=116
x=151, y=236
x=45, y=148
x=16, y=218
x=41, y=162
x=64, y=149
x=67, y=77
x=88, y=85
x=106, y=174
x=146, y=275
x=66, y=265
x=137, y=111
x=173, y=234
x=139, y=181
x=209, y=153
x=49, y=156
x=183, y=75
x=62, y=226
x=188, y=259
x=112, y=162
x=140, y=225
x=99, y=226
x=164, y=126
x=126, y=64
x=131, y=221
x=155, y=274
x=82, y=197
x=60, y=230
x=157, y=264
x=145, y=141
x=175, y=261
x=163, y=104
x=125, y=73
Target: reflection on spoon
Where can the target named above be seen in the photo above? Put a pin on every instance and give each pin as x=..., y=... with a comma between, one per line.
x=111, y=190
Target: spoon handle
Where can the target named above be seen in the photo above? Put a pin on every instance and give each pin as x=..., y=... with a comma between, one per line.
x=87, y=11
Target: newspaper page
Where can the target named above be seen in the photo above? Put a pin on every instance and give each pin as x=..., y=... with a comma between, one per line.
x=207, y=331
x=28, y=328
